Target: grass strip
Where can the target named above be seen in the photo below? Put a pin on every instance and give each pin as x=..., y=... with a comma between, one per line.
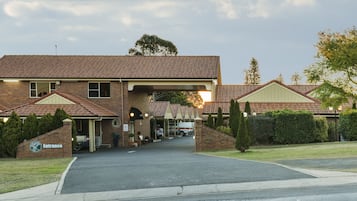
x=20, y=174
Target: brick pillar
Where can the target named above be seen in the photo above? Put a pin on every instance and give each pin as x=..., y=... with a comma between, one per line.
x=198, y=133
x=67, y=138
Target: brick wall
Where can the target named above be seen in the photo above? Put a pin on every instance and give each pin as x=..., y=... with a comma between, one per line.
x=208, y=139
x=54, y=144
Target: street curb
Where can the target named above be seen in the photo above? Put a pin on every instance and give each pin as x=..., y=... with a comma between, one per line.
x=63, y=177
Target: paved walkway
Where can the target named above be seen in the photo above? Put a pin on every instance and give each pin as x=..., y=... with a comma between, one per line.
x=305, y=178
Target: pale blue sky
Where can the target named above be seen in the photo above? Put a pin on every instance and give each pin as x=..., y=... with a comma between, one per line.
x=280, y=34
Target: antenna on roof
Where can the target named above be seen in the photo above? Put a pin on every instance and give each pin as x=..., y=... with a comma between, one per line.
x=56, y=49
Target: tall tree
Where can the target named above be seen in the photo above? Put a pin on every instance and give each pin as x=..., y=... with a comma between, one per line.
x=12, y=134
x=247, y=108
x=152, y=45
x=252, y=75
x=219, y=117
x=242, y=139
x=336, y=67
x=295, y=78
x=30, y=127
x=235, y=118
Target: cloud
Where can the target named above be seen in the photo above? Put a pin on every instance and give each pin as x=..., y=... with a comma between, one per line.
x=301, y=3
x=43, y=9
x=19, y=9
x=260, y=9
x=226, y=9
x=160, y=9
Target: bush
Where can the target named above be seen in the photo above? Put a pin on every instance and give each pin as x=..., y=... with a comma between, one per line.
x=331, y=131
x=225, y=130
x=11, y=135
x=262, y=128
x=2, y=149
x=45, y=124
x=348, y=125
x=321, y=130
x=30, y=127
x=242, y=139
x=293, y=127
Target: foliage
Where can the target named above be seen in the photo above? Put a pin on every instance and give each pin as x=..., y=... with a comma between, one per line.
x=252, y=75
x=262, y=128
x=58, y=118
x=348, y=124
x=247, y=108
x=12, y=134
x=2, y=148
x=174, y=97
x=210, y=122
x=234, y=118
x=332, y=134
x=231, y=113
x=30, y=127
x=219, y=118
x=242, y=139
x=295, y=78
x=336, y=67
x=321, y=130
x=224, y=129
x=293, y=127
x=45, y=124
x=152, y=45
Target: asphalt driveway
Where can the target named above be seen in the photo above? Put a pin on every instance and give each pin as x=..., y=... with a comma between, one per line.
x=165, y=164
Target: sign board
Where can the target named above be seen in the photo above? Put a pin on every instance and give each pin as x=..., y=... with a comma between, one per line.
x=125, y=127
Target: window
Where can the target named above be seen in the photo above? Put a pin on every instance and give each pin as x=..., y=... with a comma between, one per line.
x=39, y=89
x=98, y=90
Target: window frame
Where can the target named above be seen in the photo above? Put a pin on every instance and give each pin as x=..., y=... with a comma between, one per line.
x=98, y=89
x=51, y=88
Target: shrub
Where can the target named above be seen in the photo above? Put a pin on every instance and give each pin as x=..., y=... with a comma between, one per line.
x=210, y=121
x=331, y=131
x=11, y=135
x=293, y=127
x=45, y=124
x=30, y=127
x=262, y=129
x=321, y=130
x=348, y=125
x=225, y=130
x=242, y=139
x=219, y=118
x=234, y=118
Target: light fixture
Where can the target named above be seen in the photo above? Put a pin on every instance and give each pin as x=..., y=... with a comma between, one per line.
x=146, y=115
x=245, y=114
x=11, y=80
x=132, y=114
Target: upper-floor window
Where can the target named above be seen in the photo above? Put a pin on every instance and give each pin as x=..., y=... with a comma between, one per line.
x=39, y=89
x=98, y=90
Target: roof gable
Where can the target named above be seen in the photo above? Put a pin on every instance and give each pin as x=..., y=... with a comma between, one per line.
x=275, y=92
x=54, y=99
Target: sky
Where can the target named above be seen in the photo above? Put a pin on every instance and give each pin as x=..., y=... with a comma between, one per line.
x=280, y=34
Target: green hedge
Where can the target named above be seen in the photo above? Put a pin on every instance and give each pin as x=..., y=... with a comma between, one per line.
x=293, y=127
x=321, y=130
x=348, y=125
x=262, y=129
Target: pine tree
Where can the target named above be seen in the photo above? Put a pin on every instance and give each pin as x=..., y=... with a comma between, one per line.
x=247, y=108
x=210, y=121
x=235, y=119
x=219, y=117
x=30, y=127
x=12, y=134
x=252, y=75
x=242, y=139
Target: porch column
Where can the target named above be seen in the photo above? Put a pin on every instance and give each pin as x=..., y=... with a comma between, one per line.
x=91, y=135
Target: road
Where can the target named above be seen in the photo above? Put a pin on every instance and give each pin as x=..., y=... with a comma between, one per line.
x=166, y=164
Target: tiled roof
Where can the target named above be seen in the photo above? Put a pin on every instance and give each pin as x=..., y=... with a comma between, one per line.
x=158, y=108
x=212, y=107
x=109, y=67
x=2, y=108
x=81, y=108
x=225, y=93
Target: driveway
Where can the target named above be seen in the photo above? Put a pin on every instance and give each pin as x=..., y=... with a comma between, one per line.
x=165, y=164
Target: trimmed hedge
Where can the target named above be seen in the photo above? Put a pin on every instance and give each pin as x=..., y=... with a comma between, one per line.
x=348, y=125
x=321, y=130
x=262, y=129
x=293, y=127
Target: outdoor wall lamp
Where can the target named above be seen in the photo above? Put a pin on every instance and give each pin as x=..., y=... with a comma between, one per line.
x=132, y=114
x=146, y=115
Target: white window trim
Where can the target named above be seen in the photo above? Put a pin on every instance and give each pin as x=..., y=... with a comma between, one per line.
x=36, y=88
